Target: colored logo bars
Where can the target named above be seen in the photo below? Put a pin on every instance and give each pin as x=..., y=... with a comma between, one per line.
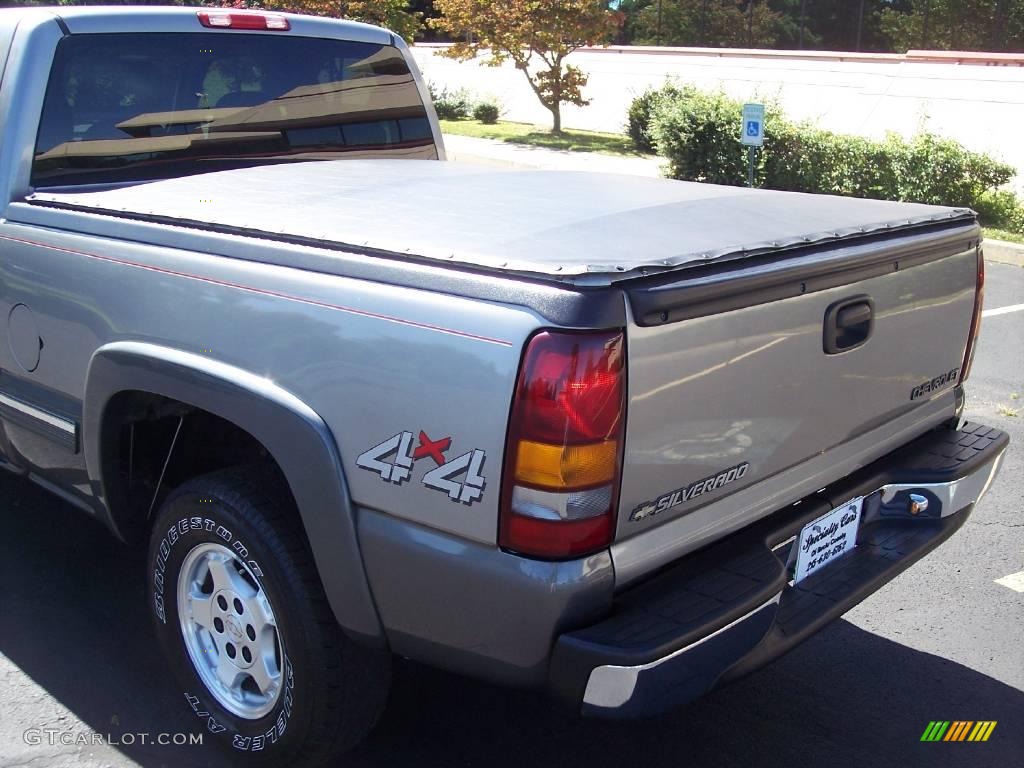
x=958, y=730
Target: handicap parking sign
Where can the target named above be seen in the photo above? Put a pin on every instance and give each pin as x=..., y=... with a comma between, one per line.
x=753, y=125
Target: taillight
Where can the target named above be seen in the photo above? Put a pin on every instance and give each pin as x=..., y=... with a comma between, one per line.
x=244, y=20
x=979, y=300
x=565, y=445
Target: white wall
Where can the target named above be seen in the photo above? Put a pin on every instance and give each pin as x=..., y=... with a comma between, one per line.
x=980, y=105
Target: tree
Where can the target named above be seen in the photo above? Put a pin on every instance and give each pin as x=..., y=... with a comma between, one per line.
x=963, y=25
x=836, y=25
x=526, y=32
x=393, y=14
x=708, y=23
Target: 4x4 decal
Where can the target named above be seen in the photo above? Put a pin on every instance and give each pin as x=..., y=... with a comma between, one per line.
x=397, y=471
x=461, y=478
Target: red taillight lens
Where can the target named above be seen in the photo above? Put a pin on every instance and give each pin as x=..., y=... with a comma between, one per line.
x=573, y=389
x=565, y=446
x=556, y=539
x=979, y=301
x=242, y=20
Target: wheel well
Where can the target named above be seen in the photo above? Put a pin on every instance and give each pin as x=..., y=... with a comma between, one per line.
x=151, y=444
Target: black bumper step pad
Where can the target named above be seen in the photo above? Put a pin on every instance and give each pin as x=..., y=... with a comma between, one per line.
x=710, y=589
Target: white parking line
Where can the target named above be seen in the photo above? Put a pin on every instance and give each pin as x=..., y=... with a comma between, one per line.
x=1002, y=310
x=1014, y=581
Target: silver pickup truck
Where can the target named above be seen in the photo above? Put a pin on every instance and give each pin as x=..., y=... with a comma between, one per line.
x=617, y=439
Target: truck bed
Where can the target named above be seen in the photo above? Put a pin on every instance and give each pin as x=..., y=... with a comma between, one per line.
x=579, y=228
x=724, y=294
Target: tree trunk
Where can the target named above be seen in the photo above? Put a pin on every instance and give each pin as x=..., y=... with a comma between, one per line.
x=860, y=24
x=556, y=114
x=803, y=22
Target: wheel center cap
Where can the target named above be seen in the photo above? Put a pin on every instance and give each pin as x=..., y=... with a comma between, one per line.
x=234, y=628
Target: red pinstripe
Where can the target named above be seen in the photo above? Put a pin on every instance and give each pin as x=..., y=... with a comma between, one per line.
x=263, y=291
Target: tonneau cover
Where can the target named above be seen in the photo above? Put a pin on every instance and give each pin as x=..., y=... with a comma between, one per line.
x=561, y=224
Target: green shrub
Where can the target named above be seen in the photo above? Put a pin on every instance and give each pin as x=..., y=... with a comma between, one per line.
x=940, y=171
x=450, y=105
x=1001, y=209
x=803, y=158
x=486, y=112
x=641, y=110
x=698, y=133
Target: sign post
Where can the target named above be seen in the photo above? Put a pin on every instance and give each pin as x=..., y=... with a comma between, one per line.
x=752, y=135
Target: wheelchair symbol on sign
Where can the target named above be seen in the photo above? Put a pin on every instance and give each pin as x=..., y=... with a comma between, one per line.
x=753, y=128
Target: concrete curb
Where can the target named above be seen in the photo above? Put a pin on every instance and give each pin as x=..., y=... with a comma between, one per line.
x=1002, y=252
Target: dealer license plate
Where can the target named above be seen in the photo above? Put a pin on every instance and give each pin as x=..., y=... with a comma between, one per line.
x=828, y=538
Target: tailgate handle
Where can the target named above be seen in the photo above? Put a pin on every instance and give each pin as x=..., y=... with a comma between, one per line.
x=848, y=324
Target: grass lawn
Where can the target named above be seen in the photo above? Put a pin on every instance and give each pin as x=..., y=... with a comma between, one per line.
x=1002, y=234
x=541, y=136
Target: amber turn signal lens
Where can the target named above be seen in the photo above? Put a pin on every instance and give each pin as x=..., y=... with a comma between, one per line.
x=562, y=467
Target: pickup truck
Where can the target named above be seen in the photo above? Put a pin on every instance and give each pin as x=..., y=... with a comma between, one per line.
x=620, y=440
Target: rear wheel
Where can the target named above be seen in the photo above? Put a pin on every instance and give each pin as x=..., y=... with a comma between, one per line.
x=245, y=627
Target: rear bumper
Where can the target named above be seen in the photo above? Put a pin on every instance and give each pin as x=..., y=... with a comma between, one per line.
x=727, y=610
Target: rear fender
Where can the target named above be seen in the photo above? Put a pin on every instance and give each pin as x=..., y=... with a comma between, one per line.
x=297, y=438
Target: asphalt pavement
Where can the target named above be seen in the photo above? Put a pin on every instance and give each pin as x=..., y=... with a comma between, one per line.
x=941, y=642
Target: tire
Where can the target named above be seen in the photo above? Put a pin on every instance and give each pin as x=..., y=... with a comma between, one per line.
x=244, y=624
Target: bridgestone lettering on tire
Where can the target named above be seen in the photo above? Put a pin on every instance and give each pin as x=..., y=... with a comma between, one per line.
x=240, y=614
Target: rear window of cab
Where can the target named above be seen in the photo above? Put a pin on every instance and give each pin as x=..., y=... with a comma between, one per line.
x=136, y=107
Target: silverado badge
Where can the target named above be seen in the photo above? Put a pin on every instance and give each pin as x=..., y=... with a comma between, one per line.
x=691, y=491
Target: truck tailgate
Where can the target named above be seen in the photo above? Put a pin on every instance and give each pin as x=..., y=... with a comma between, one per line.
x=738, y=376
